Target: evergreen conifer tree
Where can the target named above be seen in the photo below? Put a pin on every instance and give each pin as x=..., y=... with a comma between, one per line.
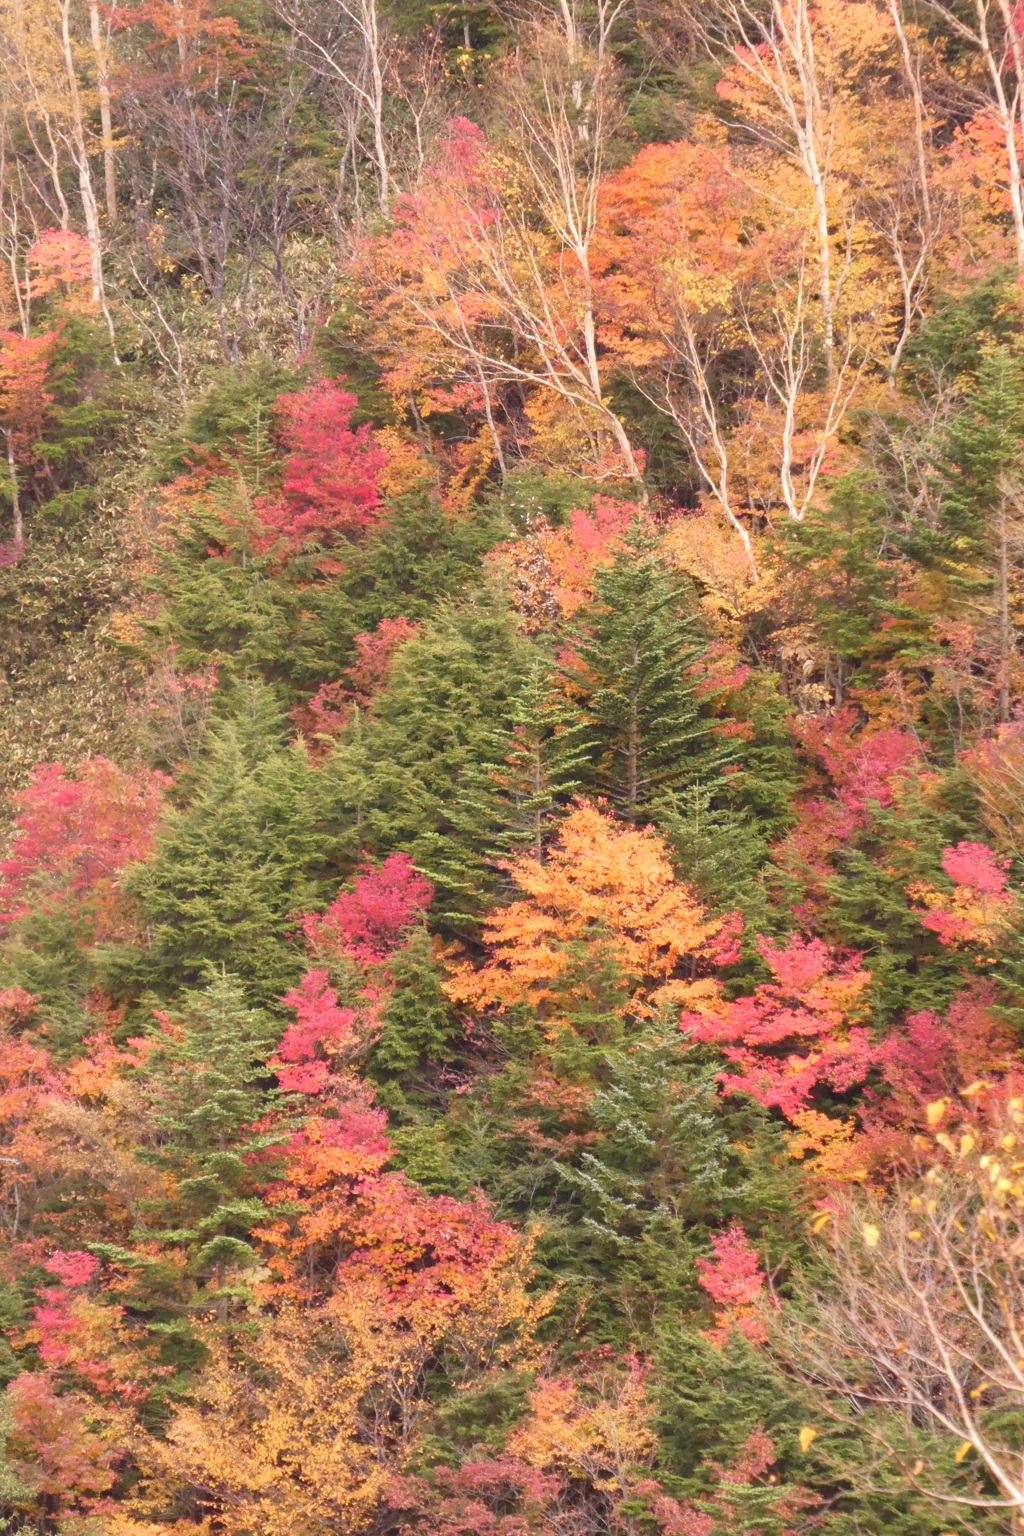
x=540, y=762
x=843, y=570
x=981, y=498
x=633, y=673
x=234, y=865
x=418, y=1024
x=207, y=1085
x=981, y=453
x=419, y=775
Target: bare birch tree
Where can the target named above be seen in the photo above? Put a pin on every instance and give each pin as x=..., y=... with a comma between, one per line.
x=349, y=44
x=493, y=266
x=918, y=1337
x=41, y=57
x=991, y=30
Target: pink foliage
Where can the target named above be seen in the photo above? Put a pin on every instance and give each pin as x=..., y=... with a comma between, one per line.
x=453, y=192
x=977, y=159
x=330, y=708
x=75, y=833
x=379, y=1229
x=330, y=489
x=725, y=947
x=979, y=908
x=949, y=928
x=494, y=1497
x=376, y=655
x=75, y=1268
x=752, y=1461
x=367, y=923
x=862, y=767
x=733, y=1278
x=323, y=1033
x=62, y=1323
x=865, y=768
x=51, y=1451
x=326, y=713
x=976, y=867
x=464, y=144
x=793, y=1033
x=56, y=1325
x=361, y=929
x=675, y=1519
x=929, y=1057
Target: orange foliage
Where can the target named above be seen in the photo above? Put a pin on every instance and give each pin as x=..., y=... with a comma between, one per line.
x=597, y=1427
x=305, y=1425
x=608, y=887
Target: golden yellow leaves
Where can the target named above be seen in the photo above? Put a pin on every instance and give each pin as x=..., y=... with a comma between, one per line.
x=605, y=883
x=299, y=1425
x=707, y=549
x=839, y=1157
x=963, y=916
x=599, y=1429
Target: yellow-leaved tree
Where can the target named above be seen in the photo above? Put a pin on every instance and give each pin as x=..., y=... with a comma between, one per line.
x=606, y=898
x=298, y=1425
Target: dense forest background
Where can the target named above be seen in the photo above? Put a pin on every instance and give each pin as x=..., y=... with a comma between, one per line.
x=512, y=768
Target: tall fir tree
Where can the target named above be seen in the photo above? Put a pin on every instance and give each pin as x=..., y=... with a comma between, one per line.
x=633, y=672
x=842, y=572
x=235, y=864
x=418, y=775
x=981, y=497
x=980, y=456
x=540, y=762
x=207, y=1084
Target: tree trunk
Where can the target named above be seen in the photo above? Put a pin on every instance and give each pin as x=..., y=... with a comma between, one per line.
x=99, y=46
x=80, y=155
x=18, y=532
x=1005, y=634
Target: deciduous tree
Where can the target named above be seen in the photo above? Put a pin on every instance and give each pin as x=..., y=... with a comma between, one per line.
x=915, y=1336
x=606, y=892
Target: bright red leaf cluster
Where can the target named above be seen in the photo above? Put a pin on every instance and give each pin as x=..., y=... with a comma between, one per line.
x=330, y=486
x=75, y=833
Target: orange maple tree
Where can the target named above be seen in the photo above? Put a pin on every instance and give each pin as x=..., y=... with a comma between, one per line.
x=25, y=363
x=610, y=888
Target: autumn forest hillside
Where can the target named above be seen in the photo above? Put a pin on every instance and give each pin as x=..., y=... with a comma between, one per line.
x=511, y=768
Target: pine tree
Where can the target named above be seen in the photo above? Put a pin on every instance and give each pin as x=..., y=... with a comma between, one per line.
x=419, y=775
x=669, y=1162
x=540, y=762
x=233, y=866
x=207, y=1085
x=418, y=1024
x=843, y=572
x=981, y=451
x=981, y=496
x=633, y=674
